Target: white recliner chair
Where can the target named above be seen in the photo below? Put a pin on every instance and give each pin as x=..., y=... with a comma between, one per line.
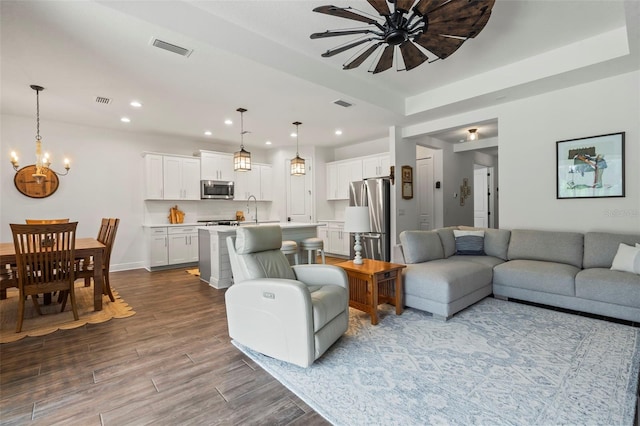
x=293, y=314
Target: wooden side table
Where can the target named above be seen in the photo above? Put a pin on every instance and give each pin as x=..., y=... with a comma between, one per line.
x=372, y=283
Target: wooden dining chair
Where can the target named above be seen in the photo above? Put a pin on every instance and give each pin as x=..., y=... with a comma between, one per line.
x=107, y=236
x=45, y=221
x=45, y=257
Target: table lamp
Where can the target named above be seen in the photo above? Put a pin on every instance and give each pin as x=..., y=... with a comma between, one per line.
x=356, y=220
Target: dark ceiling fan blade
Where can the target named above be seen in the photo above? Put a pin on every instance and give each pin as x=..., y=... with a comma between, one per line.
x=361, y=58
x=462, y=27
x=411, y=55
x=386, y=60
x=380, y=6
x=404, y=5
x=337, y=50
x=330, y=33
x=343, y=12
x=439, y=45
x=424, y=7
x=458, y=9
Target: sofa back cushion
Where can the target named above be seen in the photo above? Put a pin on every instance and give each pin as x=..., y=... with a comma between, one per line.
x=421, y=246
x=549, y=246
x=600, y=247
x=496, y=241
x=448, y=240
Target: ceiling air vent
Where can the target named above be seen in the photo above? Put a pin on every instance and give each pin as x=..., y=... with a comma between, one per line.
x=103, y=100
x=342, y=103
x=171, y=47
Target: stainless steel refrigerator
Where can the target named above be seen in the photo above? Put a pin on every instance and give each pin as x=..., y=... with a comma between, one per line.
x=375, y=194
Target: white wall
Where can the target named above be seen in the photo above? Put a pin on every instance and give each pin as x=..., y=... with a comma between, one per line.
x=105, y=180
x=528, y=131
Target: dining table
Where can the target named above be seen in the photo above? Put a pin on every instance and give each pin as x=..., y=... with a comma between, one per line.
x=85, y=248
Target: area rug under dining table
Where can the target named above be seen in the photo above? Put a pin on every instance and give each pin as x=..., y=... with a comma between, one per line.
x=53, y=320
x=495, y=363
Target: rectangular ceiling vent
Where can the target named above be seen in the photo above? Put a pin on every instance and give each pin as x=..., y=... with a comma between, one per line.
x=342, y=103
x=103, y=100
x=171, y=47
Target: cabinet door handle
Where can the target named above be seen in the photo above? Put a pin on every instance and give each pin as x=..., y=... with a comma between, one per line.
x=165, y=241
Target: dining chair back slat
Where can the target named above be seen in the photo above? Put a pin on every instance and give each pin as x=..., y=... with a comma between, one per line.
x=45, y=256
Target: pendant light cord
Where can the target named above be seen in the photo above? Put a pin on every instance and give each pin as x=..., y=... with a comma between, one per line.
x=38, y=115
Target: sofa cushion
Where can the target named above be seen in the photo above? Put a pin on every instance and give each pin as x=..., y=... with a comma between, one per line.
x=445, y=280
x=496, y=241
x=548, y=246
x=421, y=246
x=605, y=285
x=469, y=242
x=548, y=277
x=448, y=240
x=600, y=247
x=483, y=260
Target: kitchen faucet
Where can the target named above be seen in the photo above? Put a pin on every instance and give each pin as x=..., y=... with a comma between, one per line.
x=255, y=201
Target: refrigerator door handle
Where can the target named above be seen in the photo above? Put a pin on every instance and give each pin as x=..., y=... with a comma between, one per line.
x=376, y=236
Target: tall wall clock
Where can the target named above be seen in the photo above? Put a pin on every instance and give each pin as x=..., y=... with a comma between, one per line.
x=27, y=184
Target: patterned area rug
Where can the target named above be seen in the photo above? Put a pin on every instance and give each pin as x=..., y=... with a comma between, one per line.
x=496, y=363
x=52, y=319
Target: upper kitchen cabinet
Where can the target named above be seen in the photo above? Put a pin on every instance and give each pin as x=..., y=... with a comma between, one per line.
x=376, y=166
x=171, y=177
x=257, y=182
x=181, y=178
x=339, y=175
x=216, y=166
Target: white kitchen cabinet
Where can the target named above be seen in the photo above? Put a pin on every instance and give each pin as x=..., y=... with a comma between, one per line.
x=171, y=177
x=258, y=182
x=323, y=234
x=376, y=166
x=154, y=185
x=181, y=178
x=216, y=166
x=339, y=175
x=338, y=240
x=158, y=247
x=183, y=244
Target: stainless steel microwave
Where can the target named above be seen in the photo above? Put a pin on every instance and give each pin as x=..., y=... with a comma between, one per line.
x=216, y=189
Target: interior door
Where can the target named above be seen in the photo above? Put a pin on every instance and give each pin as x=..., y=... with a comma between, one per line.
x=424, y=189
x=480, y=197
x=299, y=195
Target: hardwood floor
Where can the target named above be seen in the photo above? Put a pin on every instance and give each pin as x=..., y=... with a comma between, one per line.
x=170, y=363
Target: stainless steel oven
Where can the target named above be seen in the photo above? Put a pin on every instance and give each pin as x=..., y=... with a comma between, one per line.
x=216, y=189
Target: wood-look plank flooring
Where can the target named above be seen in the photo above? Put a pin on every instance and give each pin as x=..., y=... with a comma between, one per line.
x=171, y=363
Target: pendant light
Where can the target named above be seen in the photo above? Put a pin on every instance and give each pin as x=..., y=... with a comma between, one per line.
x=473, y=135
x=42, y=160
x=297, y=164
x=242, y=158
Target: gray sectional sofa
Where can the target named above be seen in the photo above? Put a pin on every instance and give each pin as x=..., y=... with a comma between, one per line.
x=565, y=269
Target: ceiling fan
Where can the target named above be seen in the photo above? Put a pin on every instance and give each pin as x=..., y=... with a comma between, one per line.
x=439, y=26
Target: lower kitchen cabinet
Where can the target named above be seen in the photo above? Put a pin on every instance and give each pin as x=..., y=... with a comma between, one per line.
x=172, y=246
x=336, y=241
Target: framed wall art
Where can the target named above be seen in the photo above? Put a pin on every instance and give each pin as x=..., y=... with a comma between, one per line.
x=591, y=167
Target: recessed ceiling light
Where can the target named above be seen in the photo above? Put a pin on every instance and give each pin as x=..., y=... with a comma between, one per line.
x=338, y=132
x=267, y=143
x=293, y=135
x=135, y=104
x=208, y=132
x=228, y=122
x=125, y=119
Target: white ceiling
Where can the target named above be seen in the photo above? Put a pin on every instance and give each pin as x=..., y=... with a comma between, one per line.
x=258, y=55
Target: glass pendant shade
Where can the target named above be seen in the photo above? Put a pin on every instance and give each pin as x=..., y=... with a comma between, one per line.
x=297, y=163
x=242, y=158
x=473, y=135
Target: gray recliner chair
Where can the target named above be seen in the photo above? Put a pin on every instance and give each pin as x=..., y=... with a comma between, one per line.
x=293, y=314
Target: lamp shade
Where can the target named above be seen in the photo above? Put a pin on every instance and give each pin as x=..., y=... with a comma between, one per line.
x=356, y=219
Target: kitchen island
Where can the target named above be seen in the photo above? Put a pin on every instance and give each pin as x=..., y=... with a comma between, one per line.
x=215, y=268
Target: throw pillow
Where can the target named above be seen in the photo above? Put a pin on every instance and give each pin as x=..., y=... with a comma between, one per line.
x=627, y=259
x=469, y=243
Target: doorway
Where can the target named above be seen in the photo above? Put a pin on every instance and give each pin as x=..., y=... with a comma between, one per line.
x=425, y=193
x=483, y=196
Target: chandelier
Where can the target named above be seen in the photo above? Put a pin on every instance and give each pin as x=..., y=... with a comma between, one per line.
x=42, y=160
x=242, y=158
x=297, y=164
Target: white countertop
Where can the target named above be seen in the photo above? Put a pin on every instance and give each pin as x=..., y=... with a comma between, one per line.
x=246, y=223
x=286, y=225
